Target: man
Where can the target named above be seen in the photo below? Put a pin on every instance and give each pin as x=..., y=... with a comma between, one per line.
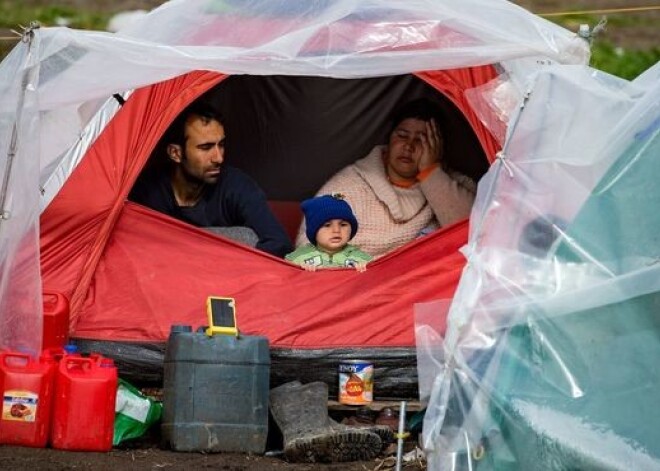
x=196, y=188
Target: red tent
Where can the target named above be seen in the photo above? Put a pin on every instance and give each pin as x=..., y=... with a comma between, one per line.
x=130, y=272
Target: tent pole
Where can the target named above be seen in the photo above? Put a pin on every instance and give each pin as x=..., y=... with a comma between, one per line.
x=26, y=37
x=5, y=213
x=501, y=156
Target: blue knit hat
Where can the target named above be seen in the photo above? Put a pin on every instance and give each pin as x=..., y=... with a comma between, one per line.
x=322, y=209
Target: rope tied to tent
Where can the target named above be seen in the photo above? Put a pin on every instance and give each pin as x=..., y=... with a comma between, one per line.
x=501, y=156
x=589, y=34
x=27, y=32
x=601, y=11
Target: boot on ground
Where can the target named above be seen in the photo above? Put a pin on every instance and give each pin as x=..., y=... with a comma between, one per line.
x=301, y=412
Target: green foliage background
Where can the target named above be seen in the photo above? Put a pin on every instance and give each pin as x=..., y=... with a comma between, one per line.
x=607, y=56
x=623, y=63
x=14, y=14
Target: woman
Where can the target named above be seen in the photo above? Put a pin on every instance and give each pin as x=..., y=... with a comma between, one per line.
x=401, y=191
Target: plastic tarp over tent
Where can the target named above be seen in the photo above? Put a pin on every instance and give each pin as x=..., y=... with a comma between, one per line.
x=58, y=80
x=549, y=359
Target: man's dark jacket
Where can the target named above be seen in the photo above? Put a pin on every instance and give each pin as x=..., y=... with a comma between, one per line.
x=234, y=200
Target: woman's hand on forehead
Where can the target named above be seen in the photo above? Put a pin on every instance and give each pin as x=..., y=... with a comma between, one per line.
x=431, y=147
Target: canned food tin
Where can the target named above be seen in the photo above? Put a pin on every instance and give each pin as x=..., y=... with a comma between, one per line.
x=356, y=382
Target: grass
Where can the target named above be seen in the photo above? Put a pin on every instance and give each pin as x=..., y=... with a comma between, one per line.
x=606, y=56
x=11, y=16
x=623, y=63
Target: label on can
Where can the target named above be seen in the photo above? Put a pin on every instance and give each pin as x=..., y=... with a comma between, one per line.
x=19, y=405
x=356, y=382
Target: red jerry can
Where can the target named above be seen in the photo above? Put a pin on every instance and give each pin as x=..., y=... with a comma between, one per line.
x=27, y=393
x=56, y=320
x=84, y=404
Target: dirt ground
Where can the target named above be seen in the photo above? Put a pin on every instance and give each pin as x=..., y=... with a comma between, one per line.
x=153, y=458
x=635, y=31
x=147, y=455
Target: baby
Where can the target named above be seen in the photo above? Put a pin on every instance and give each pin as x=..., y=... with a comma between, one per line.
x=330, y=224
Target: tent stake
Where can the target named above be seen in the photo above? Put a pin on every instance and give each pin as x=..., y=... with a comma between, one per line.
x=401, y=436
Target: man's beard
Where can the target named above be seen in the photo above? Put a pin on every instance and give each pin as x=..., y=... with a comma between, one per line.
x=195, y=180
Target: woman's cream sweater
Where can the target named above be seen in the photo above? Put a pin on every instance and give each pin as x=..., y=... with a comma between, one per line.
x=390, y=216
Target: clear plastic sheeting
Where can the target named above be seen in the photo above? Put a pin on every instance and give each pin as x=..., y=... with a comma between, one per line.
x=494, y=104
x=549, y=359
x=335, y=35
x=53, y=86
x=341, y=39
x=430, y=326
x=20, y=283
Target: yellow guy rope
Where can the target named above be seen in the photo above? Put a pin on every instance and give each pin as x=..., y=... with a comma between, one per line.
x=599, y=12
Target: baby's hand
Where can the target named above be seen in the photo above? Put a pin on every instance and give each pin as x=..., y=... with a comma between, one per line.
x=361, y=267
x=308, y=267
